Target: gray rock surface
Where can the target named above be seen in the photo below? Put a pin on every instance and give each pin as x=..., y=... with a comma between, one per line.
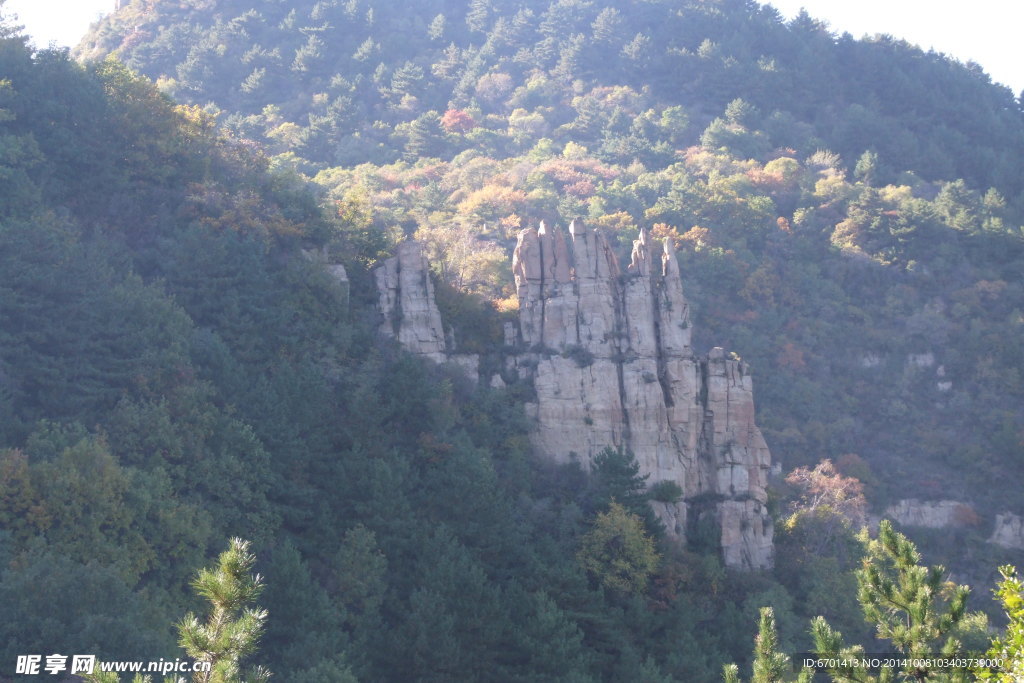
x=608, y=353
x=935, y=514
x=1009, y=531
x=410, y=314
x=610, y=358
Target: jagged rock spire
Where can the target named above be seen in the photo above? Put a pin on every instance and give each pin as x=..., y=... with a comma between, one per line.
x=673, y=309
x=610, y=361
x=640, y=259
x=669, y=264
x=526, y=261
x=554, y=254
x=409, y=309
x=407, y=302
x=592, y=255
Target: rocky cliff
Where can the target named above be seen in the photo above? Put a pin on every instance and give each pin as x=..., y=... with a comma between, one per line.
x=410, y=313
x=1009, y=531
x=407, y=303
x=937, y=514
x=1008, y=528
x=608, y=353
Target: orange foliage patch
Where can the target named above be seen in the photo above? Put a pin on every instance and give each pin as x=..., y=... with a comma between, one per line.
x=964, y=515
x=824, y=486
x=507, y=305
x=791, y=357
x=618, y=221
x=457, y=121
x=583, y=188
x=667, y=233
x=697, y=237
x=493, y=202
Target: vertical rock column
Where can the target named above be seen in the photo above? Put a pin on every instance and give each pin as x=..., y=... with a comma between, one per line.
x=528, y=271
x=646, y=399
x=407, y=303
x=564, y=303
x=735, y=462
x=595, y=273
x=612, y=365
x=609, y=356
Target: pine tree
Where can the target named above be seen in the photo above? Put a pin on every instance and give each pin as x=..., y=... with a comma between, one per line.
x=911, y=606
x=437, y=27
x=233, y=627
x=607, y=26
x=424, y=136
x=770, y=665
x=111, y=677
x=307, y=629
x=478, y=16
x=866, y=169
x=615, y=476
x=1009, y=647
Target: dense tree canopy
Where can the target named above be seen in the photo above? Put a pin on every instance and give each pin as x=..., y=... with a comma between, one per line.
x=847, y=211
x=175, y=372
x=342, y=82
x=177, y=368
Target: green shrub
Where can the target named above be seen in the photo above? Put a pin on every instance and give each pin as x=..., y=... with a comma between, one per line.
x=666, y=491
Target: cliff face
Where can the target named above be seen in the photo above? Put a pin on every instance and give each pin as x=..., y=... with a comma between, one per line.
x=1009, y=531
x=937, y=514
x=609, y=355
x=407, y=303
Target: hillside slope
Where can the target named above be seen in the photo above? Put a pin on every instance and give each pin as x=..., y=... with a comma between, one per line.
x=177, y=367
x=847, y=211
x=175, y=371
x=343, y=77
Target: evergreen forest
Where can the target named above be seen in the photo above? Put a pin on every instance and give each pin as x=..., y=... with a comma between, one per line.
x=178, y=369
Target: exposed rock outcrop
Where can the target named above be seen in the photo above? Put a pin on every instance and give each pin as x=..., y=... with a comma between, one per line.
x=938, y=514
x=609, y=356
x=921, y=360
x=952, y=514
x=406, y=301
x=1009, y=531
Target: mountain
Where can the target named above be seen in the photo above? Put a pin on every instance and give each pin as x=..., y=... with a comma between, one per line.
x=191, y=346
x=847, y=211
x=189, y=352
x=344, y=76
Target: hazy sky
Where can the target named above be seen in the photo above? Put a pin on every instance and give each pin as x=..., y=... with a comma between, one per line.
x=985, y=31
x=59, y=21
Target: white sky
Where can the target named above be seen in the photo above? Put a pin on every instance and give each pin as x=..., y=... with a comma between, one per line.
x=985, y=31
x=63, y=22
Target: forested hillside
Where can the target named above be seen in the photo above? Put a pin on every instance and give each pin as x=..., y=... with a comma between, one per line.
x=178, y=368
x=343, y=81
x=848, y=212
x=176, y=372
